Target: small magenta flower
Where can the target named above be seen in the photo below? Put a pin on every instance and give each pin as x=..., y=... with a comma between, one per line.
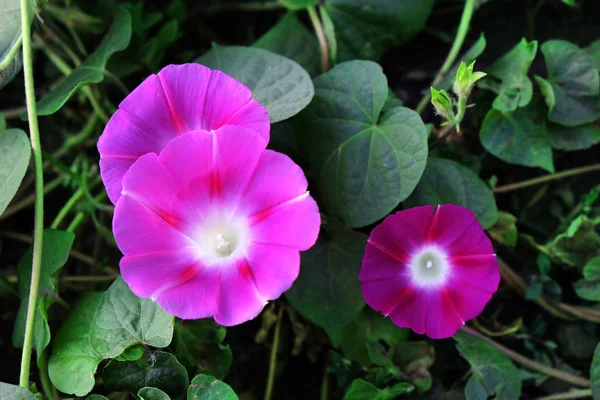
x=180, y=98
x=429, y=269
x=213, y=225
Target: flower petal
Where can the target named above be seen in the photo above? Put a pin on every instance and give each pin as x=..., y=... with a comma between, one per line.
x=443, y=320
x=293, y=224
x=194, y=298
x=152, y=273
x=378, y=263
x=239, y=300
x=274, y=268
x=138, y=230
x=112, y=170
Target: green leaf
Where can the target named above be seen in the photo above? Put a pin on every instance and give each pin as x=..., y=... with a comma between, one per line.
x=132, y=353
x=289, y=38
x=327, y=291
x=534, y=290
x=588, y=288
x=595, y=374
x=593, y=51
x=468, y=57
x=93, y=68
x=15, y=152
x=278, y=83
x=14, y=392
x=366, y=163
x=96, y=397
x=573, y=138
x=160, y=370
x=415, y=359
x=198, y=346
x=11, y=59
x=123, y=319
x=73, y=362
x=204, y=387
x=369, y=327
x=298, y=4
x=505, y=229
x=577, y=245
x=508, y=77
x=362, y=390
x=55, y=252
x=573, y=84
x=151, y=393
x=518, y=138
x=365, y=30
x=447, y=182
x=493, y=374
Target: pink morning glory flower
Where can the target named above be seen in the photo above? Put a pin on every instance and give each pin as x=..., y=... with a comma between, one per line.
x=429, y=269
x=213, y=225
x=180, y=98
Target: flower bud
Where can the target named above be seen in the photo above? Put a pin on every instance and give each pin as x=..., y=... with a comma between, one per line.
x=442, y=103
x=465, y=79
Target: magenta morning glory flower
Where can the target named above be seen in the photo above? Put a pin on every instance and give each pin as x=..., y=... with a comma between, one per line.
x=213, y=225
x=180, y=98
x=429, y=269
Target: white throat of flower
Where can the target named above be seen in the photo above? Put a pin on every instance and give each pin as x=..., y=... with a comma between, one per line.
x=222, y=238
x=429, y=267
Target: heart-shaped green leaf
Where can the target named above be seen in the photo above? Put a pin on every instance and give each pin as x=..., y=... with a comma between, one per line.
x=15, y=152
x=366, y=163
x=204, y=387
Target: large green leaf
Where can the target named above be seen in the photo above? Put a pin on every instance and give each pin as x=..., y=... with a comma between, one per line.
x=197, y=345
x=508, y=77
x=492, y=373
x=368, y=328
x=366, y=29
x=327, y=290
x=291, y=39
x=123, y=319
x=55, y=252
x=519, y=137
x=595, y=374
x=105, y=325
x=573, y=138
x=93, y=68
x=447, y=182
x=14, y=392
x=589, y=287
x=161, y=370
x=15, y=152
x=366, y=162
x=204, y=387
x=73, y=362
x=572, y=88
x=151, y=393
x=593, y=51
x=278, y=83
x=298, y=4
x=362, y=390
x=576, y=245
x=11, y=59
x=468, y=57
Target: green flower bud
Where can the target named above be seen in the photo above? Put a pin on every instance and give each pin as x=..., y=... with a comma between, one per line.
x=465, y=79
x=442, y=103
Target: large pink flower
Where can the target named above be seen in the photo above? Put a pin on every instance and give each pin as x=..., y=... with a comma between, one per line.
x=429, y=269
x=213, y=225
x=180, y=98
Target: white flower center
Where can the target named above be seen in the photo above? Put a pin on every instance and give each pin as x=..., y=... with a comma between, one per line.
x=429, y=267
x=220, y=238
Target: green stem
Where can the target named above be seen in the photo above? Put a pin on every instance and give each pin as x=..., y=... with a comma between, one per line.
x=460, y=114
x=10, y=56
x=29, y=200
x=316, y=22
x=465, y=20
x=534, y=365
x=273, y=360
x=71, y=203
x=325, y=381
x=81, y=216
x=49, y=389
x=547, y=178
x=38, y=232
x=572, y=394
x=245, y=6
